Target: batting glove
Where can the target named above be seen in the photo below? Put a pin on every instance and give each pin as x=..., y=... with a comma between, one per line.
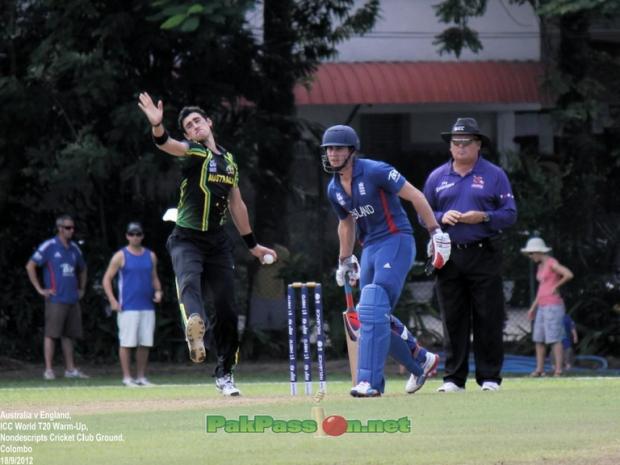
x=349, y=266
x=438, y=248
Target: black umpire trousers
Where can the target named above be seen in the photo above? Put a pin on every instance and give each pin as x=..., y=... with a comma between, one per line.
x=203, y=261
x=470, y=294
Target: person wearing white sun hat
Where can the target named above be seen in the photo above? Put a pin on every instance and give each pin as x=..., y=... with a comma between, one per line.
x=548, y=309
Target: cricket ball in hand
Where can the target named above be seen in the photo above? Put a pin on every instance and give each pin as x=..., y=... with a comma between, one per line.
x=334, y=425
x=268, y=259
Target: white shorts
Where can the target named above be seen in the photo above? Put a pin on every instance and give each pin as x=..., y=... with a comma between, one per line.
x=136, y=328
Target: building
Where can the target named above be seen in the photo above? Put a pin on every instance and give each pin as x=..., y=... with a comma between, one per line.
x=399, y=92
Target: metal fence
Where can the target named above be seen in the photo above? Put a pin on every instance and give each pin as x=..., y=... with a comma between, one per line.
x=425, y=320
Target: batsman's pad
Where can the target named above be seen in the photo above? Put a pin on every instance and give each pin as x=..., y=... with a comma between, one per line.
x=374, y=343
x=439, y=248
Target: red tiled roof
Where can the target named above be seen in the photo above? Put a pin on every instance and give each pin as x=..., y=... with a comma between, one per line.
x=424, y=82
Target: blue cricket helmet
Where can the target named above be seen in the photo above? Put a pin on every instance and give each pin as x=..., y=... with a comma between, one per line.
x=341, y=136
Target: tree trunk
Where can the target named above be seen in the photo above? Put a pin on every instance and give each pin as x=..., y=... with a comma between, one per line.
x=276, y=106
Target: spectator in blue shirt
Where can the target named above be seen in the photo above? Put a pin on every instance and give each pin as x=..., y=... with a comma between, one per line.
x=472, y=201
x=64, y=278
x=139, y=289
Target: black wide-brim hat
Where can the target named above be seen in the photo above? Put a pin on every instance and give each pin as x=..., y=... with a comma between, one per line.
x=466, y=127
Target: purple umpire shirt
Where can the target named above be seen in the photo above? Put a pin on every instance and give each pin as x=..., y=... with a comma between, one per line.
x=485, y=188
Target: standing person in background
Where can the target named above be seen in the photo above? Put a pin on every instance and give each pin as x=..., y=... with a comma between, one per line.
x=62, y=263
x=201, y=251
x=366, y=196
x=548, y=309
x=138, y=288
x=472, y=199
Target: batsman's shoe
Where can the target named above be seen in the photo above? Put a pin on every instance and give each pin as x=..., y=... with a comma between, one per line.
x=49, y=375
x=226, y=385
x=490, y=386
x=364, y=389
x=449, y=386
x=194, y=334
x=415, y=383
x=75, y=374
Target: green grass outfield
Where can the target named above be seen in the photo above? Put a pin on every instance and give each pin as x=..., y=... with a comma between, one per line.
x=573, y=420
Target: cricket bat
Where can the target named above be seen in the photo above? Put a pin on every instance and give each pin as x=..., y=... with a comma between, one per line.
x=351, y=330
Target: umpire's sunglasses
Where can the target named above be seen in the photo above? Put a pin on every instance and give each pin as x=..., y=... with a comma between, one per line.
x=463, y=142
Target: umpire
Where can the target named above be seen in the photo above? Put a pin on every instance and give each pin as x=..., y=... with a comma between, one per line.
x=472, y=200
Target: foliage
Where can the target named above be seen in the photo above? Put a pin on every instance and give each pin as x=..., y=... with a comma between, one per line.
x=72, y=139
x=456, y=38
x=288, y=43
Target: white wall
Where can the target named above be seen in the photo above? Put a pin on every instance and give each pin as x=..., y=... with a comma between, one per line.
x=407, y=29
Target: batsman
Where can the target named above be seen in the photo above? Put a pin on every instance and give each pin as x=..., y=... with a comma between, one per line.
x=365, y=195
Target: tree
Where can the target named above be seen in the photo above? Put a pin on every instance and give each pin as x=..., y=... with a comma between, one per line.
x=297, y=35
x=72, y=139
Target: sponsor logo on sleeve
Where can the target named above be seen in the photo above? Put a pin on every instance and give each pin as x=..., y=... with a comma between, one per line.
x=393, y=176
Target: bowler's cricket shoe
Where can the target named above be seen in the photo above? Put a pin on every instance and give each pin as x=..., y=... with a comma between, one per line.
x=226, y=385
x=415, y=383
x=194, y=334
x=364, y=389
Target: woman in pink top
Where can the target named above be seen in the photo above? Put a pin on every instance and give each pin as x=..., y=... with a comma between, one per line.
x=548, y=306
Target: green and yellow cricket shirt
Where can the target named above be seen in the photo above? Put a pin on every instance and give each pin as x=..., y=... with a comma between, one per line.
x=207, y=179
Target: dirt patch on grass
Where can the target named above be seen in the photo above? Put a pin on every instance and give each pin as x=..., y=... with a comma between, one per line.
x=155, y=405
